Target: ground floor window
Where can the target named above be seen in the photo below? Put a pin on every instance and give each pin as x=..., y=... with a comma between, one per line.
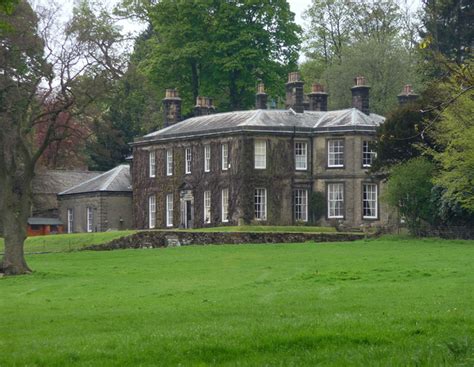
x=70, y=221
x=225, y=205
x=260, y=204
x=336, y=200
x=152, y=211
x=169, y=210
x=301, y=205
x=207, y=207
x=369, y=201
x=90, y=219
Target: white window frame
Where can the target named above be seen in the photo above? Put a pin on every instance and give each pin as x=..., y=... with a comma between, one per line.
x=169, y=210
x=225, y=205
x=336, y=156
x=207, y=207
x=370, y=197
x=225, y=156
x=368, y=155
x=90, y=219
x=70, y=220
x=260, y=204
x=169, y=162
x=152, y=211
x=207, y=158
x=301, y=205
x=260, y=154
x=335, y=200
x=301, y=155
x=188, y=158
x=152, y=161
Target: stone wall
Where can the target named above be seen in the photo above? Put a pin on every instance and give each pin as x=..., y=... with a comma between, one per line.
x=153, y=239
x=111, y=211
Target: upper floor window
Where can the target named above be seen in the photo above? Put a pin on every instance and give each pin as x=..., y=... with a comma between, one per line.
x=90, y=218
x=301, y=156
x=225, y=156
x=301, y=205
x=260, y=147
x=369, y=201
x=188, y=160
x=207, y=158
x=152, y=159
x=260, y=204
x=152, y=211
x=336, y=200
x=207, y=207
x=225, y=205
x=169, y=162
x=336, y=153
x=70, y=221
x=169, y=210
x=368, y=155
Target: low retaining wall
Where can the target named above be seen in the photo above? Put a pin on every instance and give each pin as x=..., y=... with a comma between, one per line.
x=153, y=239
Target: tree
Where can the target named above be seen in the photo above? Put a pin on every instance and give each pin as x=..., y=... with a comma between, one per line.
x=41, y=92
x=448, y=28
x=453, y=135
x=409, y=189
x=221, y=49
x=370, y=40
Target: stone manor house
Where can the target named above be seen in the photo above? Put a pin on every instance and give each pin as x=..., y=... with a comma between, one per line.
x=260, y=166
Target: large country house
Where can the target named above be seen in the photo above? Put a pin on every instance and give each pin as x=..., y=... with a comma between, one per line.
x=260, y=166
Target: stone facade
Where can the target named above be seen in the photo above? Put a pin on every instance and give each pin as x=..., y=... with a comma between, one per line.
x=280, y=193
x=110, y=211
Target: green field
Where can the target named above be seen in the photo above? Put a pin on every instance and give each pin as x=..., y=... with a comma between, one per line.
x=68, y=242
x=386, y=302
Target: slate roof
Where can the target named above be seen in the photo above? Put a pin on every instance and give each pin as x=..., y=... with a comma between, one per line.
x=117, y=179
x=283, y=121
x=54, y=181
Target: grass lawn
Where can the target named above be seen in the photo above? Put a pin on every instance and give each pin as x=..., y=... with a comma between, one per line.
x=384, y=302
x=68, y=242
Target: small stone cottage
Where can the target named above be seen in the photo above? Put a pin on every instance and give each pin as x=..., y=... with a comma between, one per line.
x=99, y=204
x=260, y=166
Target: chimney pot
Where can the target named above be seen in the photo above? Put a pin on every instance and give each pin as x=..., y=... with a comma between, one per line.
x=294, y=92
x=360, y=95
x=318, y=98
x=171, y=107
x=261, y=97
x=407, y=95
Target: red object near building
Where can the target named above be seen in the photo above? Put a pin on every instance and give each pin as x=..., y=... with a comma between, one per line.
x=44, y=226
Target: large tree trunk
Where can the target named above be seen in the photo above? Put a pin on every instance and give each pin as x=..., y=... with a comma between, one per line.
x=15, y=211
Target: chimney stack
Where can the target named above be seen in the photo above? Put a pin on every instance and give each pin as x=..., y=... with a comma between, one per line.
x=261, y=97
x=171, y=107
x=210, y=106
x=407, y=95
x=360, y=95
x=318, y=98
x=202, y=106
x=295, y=93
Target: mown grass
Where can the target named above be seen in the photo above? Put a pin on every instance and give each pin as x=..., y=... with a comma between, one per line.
x=68, y=242
x=385, y=302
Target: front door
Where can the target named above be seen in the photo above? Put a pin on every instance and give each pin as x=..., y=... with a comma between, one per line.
x=187, y=209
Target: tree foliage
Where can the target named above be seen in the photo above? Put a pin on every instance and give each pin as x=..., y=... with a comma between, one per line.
x=346, y=39
x=220, y=49
x=409, y=189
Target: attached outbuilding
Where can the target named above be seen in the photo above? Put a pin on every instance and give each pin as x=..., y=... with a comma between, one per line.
x=99, y=204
